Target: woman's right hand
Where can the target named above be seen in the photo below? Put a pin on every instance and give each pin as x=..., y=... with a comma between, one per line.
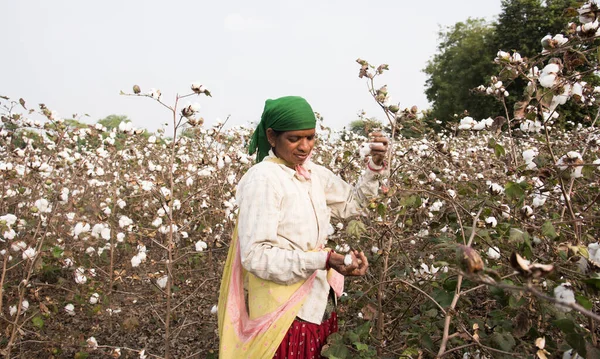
x=358, y=267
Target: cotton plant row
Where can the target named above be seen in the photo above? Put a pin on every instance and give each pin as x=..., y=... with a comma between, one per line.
x=521, y=190
x=132, y=193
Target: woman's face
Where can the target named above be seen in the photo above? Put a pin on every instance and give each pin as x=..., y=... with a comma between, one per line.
x=292, y=146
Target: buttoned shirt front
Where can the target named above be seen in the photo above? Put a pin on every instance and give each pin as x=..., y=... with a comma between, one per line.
x=284, y=220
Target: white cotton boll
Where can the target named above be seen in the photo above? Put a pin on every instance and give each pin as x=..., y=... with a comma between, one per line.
x=539, y=200
x=135, y=261
x=200, y=246
x=157, y=222
x=466, y=123
x=220, y=163
x=29, y=253
x=120, y=237
x=184, y=234
x=189, y=181
x=214, y=309
x=231, y=179
x=94, y=298
x=165, y=192
x=81, y=227
x=43, y=205
x=364, y=149
x=147, y=186
x=70, y=309
x=374, y=249
x=564, y=293
x=90, y=250
x=24, y=305
x=12, y=310
x=80, y=277
x=176, y=204
x=105, y=233
x=478, y=126
x=347, y=260
x=162, y=281
x=451, y=193
x=436, y=206
x=530, y=154
x=496, y=189
x=92, y=343
x=121, y=203
x=571, y=354
x=493, y=253
x=99, y=171
x=491, y=221
x=340, y=225
x=8, y=219
x=547, y=80
x=10, y=234
x=97, y=229
x=152, y=139
x=125, y=221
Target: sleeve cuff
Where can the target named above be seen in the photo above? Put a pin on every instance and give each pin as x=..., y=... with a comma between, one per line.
x=373, y=167
x=316, y=260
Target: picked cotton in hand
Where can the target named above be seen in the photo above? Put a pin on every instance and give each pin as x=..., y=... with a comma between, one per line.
x=365, y=148
x=347, y=260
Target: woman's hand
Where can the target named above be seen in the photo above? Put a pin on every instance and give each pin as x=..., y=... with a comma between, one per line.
x=379, y=147
x=358, y=267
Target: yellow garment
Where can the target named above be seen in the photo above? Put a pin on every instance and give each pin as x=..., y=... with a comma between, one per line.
x=273, y=308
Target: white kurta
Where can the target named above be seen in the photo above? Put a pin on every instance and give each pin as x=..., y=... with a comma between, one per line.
x=284, y=217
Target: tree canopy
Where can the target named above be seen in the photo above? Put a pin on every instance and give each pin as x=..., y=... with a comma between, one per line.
x=466, y=52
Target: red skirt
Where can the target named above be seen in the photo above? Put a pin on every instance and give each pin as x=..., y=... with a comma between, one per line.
x=304, y=340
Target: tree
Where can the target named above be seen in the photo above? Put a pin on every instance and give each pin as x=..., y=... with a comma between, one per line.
x=363, y=126
x=521, y=25
x=113, y=121
x=463, y=62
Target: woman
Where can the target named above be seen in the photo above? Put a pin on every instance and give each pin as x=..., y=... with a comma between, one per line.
x=277, y=252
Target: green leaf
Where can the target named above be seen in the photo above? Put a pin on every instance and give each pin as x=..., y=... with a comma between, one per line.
x=335, y=348
x=361, y=346
x=431, y=313
x=381, y=209
x=586, y=303
x=38, y=322
x=355, y=228
x=567, y=326
x=503, y=341
x=499, y=151
x=514, y=190
x=443, y=297
x=427, y=342
x=548, y=230
x=517, y=235
x=594, y=282
x=57, y=252
x=363, y=330
x=577, y=342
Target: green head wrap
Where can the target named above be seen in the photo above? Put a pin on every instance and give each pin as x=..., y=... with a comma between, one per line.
x=290, y=113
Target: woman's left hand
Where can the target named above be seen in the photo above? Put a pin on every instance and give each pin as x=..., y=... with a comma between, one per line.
x=358, y=267
x=379, y=147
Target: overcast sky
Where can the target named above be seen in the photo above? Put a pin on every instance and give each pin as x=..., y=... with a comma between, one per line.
x=75, y=56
